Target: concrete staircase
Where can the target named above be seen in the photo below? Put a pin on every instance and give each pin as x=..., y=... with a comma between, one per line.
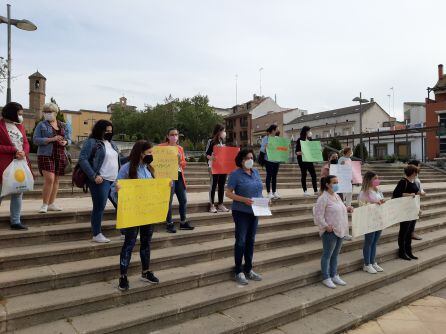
x=54, y=280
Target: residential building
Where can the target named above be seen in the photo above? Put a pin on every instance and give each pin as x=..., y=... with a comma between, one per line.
x=436, y=117
x=415, y=114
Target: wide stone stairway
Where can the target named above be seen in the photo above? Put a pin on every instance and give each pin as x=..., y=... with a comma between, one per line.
x=53, y=279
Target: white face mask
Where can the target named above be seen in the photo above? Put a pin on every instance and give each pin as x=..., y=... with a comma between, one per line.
x=223, y=135
x=310, y=134
x=249, y=163
x=48, y=117
x=20, y=117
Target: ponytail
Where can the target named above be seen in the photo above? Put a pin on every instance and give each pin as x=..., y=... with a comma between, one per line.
x=325, y=181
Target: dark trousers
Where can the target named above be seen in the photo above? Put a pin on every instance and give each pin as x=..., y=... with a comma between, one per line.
x=220, y=181
x=99, y=195
x=304, y=168
x=272, y=169
x=245, y=234
x=146, y=232
x=405, y=237
x=179, y=190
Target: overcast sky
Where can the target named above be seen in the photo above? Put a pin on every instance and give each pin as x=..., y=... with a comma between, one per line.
x=316, y=55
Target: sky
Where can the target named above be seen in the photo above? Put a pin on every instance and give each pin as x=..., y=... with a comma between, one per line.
x=316, y=55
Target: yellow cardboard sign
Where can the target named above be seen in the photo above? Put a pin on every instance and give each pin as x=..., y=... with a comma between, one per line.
x=165, y=162
x=142, y=202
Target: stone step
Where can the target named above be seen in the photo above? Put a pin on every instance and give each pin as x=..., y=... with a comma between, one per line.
x=73, y=273
x=283, y=291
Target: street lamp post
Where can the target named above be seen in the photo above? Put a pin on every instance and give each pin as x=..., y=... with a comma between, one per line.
x=361, y=101
x=21, y=24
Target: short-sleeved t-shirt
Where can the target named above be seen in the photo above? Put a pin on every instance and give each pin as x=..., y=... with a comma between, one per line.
x=245, y=185
x=405, y=186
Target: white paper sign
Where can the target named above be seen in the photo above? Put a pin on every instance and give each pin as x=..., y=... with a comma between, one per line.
x=260, y=207
x=374, y=217
x=344, y=173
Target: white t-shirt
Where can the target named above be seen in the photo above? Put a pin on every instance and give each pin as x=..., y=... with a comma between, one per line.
x=15, y=135
x=110, y=167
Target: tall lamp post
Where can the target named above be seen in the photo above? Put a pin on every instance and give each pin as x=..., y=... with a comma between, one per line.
x=361, y=101
x=21, y=24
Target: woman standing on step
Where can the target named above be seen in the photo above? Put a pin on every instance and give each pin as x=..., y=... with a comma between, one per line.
x=305, y=134
x=99, y=160
x=244, y=184
x=407, y=187
x=370, y=194
x=13, y=145
x=330, y=214
x=52, y=138
x=272, y=168
x=416, y=163
x=217, y=180
x=178, y=186
x=137, y=168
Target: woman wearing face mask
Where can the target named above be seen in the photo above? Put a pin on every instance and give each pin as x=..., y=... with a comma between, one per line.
x=416, y=163
x=178, y=186
x=13, y=145
x=99, y=159
x=244, y=184
x=217, y=180
x=332, y=160
x=272, y=168
x=407, y=187
x=305, y=134
x=51, y=137
x=330, y=214
x=138, y=167
x=370, y=194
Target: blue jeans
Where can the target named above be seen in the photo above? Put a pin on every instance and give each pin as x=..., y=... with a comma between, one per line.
x=179, y=190
x=331, y=245
x=369, y=249
x=245, y=235
x=15, y=207
x=99, y=195
x=146, y=232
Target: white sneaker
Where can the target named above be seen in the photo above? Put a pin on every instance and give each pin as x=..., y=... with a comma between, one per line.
x=337, y=280
x=100, y=239
x=369, y=269
x=43, y=208
x=54, y=207
x=306, y=194
x=276, y=195
x=377, y=268
x=348, y=237
x=270, y=195
x=213, y=209
x=329, y=283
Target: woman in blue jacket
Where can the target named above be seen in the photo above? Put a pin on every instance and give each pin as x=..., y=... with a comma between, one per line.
x=99, y=160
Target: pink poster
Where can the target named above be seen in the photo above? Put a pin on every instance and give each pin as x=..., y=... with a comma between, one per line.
x=356, y=169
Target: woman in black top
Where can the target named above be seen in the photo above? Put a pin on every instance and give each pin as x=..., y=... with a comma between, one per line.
x=407, y=187
x=305, y=134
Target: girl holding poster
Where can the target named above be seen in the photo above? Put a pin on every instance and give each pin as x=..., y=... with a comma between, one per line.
x=272, y=168
x=305, y=134
x=217, y=180
x=370, y=194
x=137, y=168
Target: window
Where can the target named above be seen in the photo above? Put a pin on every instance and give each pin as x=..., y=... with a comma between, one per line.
x=443, y=145
x=244, y=121
x=37, y=84
x=85, y=122
x=244, y=135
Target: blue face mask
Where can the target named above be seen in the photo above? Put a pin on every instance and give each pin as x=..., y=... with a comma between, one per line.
x=335, y=187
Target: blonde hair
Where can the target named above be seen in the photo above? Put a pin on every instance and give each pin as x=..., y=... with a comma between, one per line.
x=50, y=106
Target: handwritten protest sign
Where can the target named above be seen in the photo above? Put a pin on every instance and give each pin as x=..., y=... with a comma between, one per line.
x=142, y=202
x=278, y=149
x=344, y=175
x=374, y=217
x=356, y=172
x=311, y=151
x=224, y=159
x=165, y=162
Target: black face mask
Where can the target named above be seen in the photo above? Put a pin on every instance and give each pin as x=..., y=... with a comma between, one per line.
x=147, y=159
x=108, y=136
x=334, y=162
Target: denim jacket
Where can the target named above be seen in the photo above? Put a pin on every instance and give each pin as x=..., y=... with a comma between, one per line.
x=91, y=165
x=42, y=132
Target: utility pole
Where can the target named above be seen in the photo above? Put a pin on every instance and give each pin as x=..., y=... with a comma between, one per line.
x=260, y=78
x=236, y=89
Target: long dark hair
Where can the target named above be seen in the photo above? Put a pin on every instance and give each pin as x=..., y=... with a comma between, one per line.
x=304, y=131
x=167, y=134
x=325, y=181
x=10, y=111
x=215, y=134
x=135, y=157
x=271, y=128
x=99, y=128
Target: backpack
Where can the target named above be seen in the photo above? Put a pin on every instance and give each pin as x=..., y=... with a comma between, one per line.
x=79, y=178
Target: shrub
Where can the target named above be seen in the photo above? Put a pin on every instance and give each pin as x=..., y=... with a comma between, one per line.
x=334, y=143
x=202, y=158
x=357, y=151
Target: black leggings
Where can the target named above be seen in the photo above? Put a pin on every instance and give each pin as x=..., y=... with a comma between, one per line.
x=405, y=237
x=220, y=181
x=272, y=169
x=304, y=167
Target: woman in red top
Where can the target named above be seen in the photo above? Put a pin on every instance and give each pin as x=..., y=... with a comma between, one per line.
x=178, y=186
x=13, y=145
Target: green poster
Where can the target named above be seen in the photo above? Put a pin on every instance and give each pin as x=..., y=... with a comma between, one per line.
x=278, y=149
x=311, y=151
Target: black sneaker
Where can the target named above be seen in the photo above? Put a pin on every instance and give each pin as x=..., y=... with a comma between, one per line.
x=123, y=283
x=18, y=226
x=186, y=226
x=148, y=276
x=170, y=228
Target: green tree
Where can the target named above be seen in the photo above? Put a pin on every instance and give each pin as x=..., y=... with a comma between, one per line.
x=357, y=151
x=334, y=143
